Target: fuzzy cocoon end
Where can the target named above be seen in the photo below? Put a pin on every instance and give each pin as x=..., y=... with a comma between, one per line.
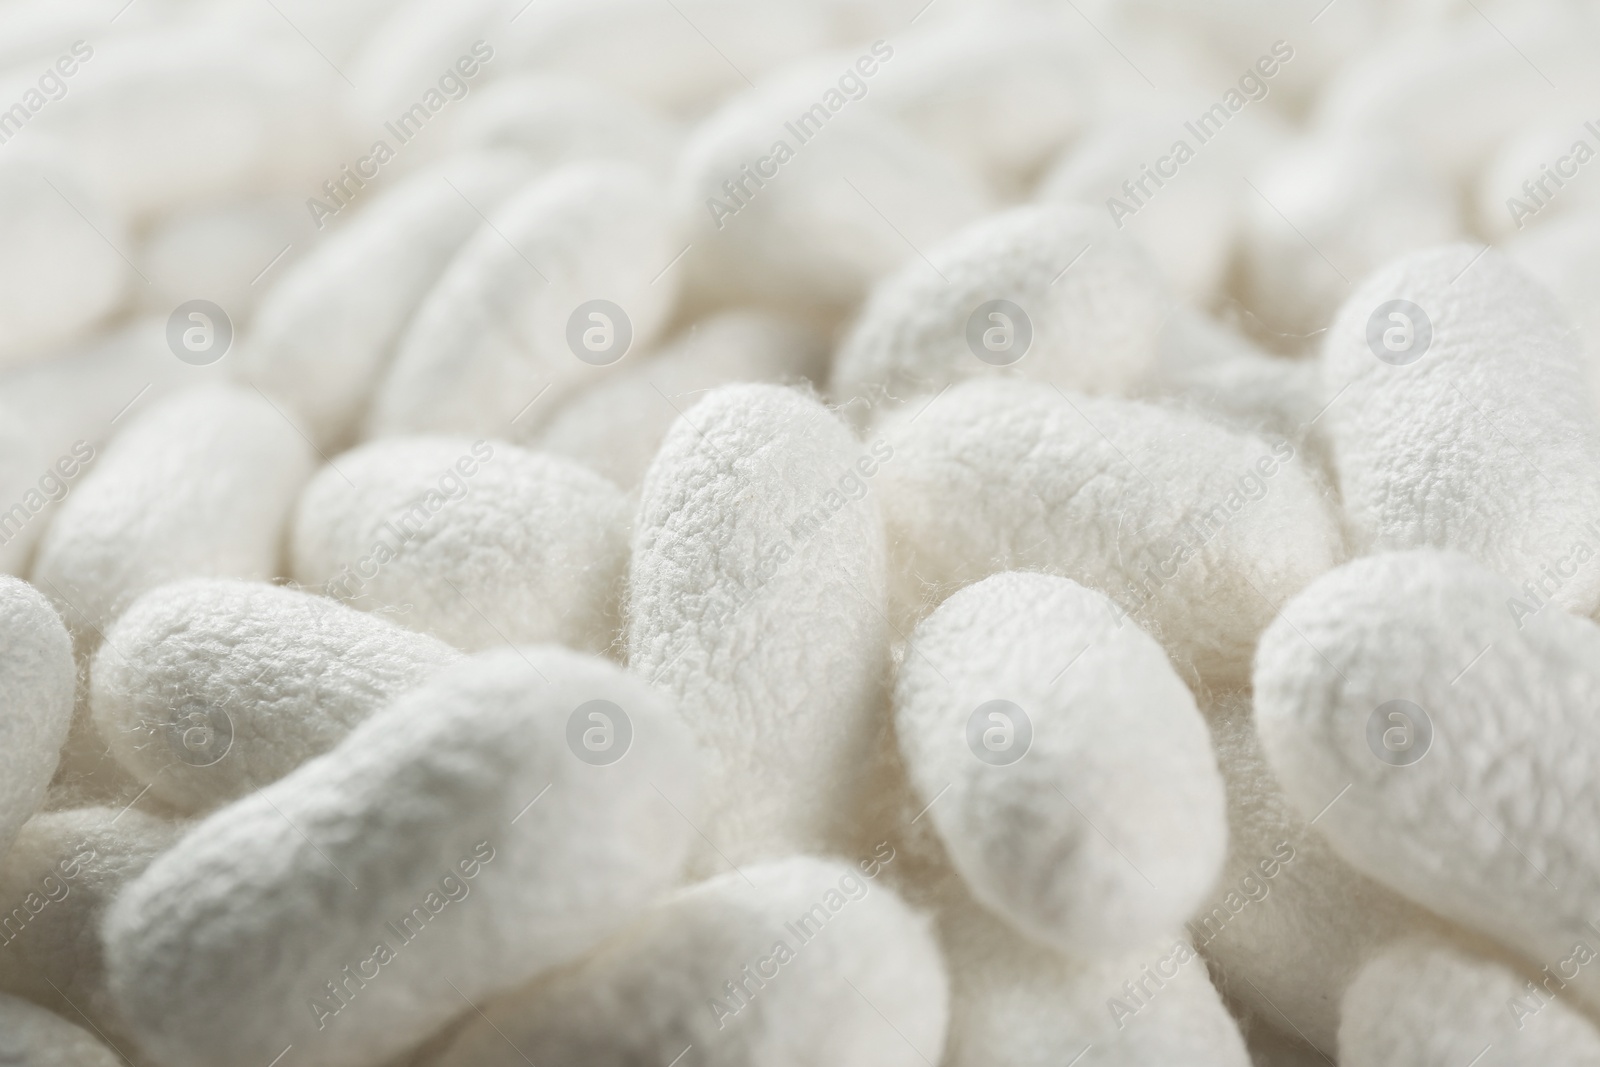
x=1063, y=761
x=456, y=844
x=1090, y=324
x=37, y=681
x=209, y=689
x=789, y=962
x=756, y=599
x=1450, y=741
x=1197, y=531
x=475, y=542
x=1466, y=422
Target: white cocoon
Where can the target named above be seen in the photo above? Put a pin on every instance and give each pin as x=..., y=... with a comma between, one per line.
x=1063, y=762
x=1564, y=256
x=1197, y=531
x=823, y=218
x=209, y=689
x=55, y=885
x=790, y=962
x=199, y=485
x=616, y=427
x=1286, y=898
x=58, y=276
x=1469, y=425
x=228, y=252
x=1352, y=203
x=756, y=598
x=475, y=542
x=497, y=330
x=357, y=901
x=37, y=678
x=1457, y=732
x=30, y=1036
x=1092, y=306
x=1428, y=1003
x=326, y=330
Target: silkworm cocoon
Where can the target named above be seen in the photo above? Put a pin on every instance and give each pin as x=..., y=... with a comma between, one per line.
x=1089, y=323
x=1198, y=532
x=1352, y=203
x=1084, y=806
x=1454, y=722
x=139, y=106
x=797, y=220
x=209, y=689
x=1183, y=205
x=797, y=960
x=513, y=316
x=555, y=120
x=55, y=885
x=476, y=543
x=1285, y=886
x=58, y=276
x=419, y=862
x=37, y=678
x=662, y=56
x=1538, y=175
x=1465, y=421
x=1432, y=1004
x=416, y=41
x=224, y=252
x=957, y=84
x=199, y=485
x=30, y=1036
x=1564, y=256
x=616, y=427
x=1015, y=1003
x=756, y=597
x=325, y=332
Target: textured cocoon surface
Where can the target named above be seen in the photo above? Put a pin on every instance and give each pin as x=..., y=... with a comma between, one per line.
x=1286, y=900
x=1495, y=824
x=199, y=485
x=55, y=884
x=616, y=427
x=1094, y=321
x=37, y=678
x=209, y=689
x=325, y=332
x=57, y=275
x=1197, y=531
x=756, y=599
x=1427, y=1003
x=805, y=239
x=475, y=542
x=30, y=1036
x=1085, y=806
x=493, y=333
x=1360, y=200
x=858, y=981
x=1487, y=442
x=1015, y=1003
x=466, y=886
x=554, y=120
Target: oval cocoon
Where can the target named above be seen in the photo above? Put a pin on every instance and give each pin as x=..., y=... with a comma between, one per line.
x=800, y=960
x=209, y=689
x=419, y=862
x=475, y=542
x=1064, y=761
x=37, y=680
x=756, y=599
x=30, y=1036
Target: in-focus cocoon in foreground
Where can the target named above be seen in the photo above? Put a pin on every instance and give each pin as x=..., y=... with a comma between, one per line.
x=1063, y=761
x=37, y=677
x=454, y=845
x=210, y=688
x=789, y=962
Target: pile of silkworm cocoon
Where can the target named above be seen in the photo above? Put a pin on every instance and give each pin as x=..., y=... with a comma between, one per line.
x=799, y=533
